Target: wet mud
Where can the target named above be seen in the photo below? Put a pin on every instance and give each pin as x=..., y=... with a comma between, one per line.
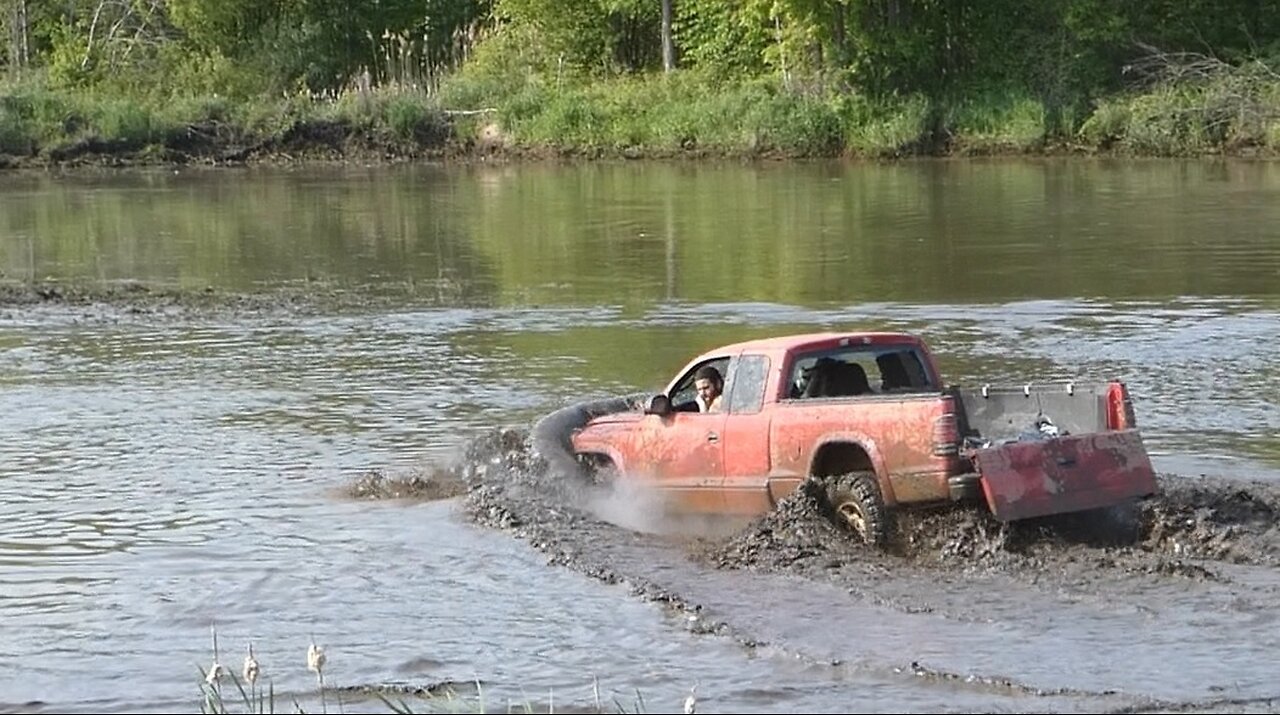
x=1124, y=565
x=427, y=484
x=108, y=301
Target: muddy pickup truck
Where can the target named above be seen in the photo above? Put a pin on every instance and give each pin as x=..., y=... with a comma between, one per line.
x=870, y=417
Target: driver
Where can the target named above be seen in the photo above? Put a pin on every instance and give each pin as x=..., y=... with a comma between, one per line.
x=709, y=384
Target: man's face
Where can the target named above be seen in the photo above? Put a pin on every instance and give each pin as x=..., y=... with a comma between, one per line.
x=707, y=389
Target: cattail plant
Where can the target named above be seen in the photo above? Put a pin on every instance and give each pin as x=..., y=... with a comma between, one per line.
x=251, y=668
x=691, y=702
x=315, y=663
x=216, y=670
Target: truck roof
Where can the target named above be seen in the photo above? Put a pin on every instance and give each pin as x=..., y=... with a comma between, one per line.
x=785, y=343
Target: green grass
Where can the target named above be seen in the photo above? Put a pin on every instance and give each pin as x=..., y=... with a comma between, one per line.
x=997, y=122
x=1217, y=108
x=36, y=119
x=1220, y=110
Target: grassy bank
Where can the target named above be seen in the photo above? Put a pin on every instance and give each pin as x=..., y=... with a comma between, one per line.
x=1219, y=110
x=44, y=125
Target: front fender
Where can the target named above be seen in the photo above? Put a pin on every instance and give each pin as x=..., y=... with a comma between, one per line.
x=595, y=441
x=554, y=437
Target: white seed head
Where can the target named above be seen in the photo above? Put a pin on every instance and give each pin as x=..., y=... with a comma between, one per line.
x=691, y=702
x=251, y=668
x=315, y=658
x=216, y=671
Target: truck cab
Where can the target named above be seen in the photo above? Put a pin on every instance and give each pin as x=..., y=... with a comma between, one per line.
x=869, y=415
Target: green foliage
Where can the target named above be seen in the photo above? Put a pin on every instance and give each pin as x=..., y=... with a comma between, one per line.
x=189, y=73
x=885, y=127
x=997, y=121
x=225, y=26
x=31, y=114
x=502, y=66
x=410, y=116
x=1194, y=105
x=729, y=39
x=70, y=60
x=793, y=76
x=123, y=120
x=405, y=115
x=675, y=113
x=599, y=36
x=1108, y=123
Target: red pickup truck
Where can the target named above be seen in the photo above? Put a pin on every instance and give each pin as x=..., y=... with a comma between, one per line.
x=869, y=414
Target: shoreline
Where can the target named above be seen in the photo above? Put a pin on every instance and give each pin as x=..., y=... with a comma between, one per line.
x=328, y=143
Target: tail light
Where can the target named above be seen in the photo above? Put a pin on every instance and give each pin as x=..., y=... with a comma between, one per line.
x=1120, y=408
x=946, y=431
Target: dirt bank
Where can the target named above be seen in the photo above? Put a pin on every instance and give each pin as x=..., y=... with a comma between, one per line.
x=319, y=141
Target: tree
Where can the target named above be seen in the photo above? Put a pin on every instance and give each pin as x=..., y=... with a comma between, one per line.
x=668, y=43
x=19, y=49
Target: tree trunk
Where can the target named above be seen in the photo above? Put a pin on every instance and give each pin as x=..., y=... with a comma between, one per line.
x=839, y=37
x=668, y=43
x=19, y=52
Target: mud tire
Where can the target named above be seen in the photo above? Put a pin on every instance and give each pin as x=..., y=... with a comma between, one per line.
x=857, y=505
x=597, y=471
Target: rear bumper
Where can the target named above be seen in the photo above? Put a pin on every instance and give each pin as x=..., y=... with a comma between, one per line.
x=965, y=487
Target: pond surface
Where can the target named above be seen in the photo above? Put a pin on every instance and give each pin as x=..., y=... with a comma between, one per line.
x=165, y=471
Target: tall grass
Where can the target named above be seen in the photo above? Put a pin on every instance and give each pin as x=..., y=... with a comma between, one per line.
x=677, y=113
x=996, y=122
x=1190, y=108
x=37, y=119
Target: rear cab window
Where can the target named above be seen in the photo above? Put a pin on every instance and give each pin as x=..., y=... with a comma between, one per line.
x=854, y=370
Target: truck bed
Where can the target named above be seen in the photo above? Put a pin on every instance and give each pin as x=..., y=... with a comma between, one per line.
x=1046, y=449
x=998, y=413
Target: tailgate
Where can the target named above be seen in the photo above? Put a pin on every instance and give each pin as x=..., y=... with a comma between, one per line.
x=1063, y=474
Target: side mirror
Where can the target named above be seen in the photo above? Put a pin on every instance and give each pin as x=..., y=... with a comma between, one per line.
x=659, y=405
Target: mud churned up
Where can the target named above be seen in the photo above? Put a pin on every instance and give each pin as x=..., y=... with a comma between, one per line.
x=1180, y=532
x=426, y=485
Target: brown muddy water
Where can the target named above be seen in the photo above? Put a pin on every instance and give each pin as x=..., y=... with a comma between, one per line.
x=210, y=380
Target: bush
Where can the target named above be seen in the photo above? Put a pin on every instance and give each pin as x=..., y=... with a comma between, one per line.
x=885, y=127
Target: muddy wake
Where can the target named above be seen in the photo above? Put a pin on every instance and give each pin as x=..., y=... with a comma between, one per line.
x=1190, y=533
x=510, y=485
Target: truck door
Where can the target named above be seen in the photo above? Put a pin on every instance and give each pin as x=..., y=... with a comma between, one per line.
x=684, y=450
x=746, y=439
x=686, y=454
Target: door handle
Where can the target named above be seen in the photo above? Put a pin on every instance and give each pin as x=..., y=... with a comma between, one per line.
x=713, y=437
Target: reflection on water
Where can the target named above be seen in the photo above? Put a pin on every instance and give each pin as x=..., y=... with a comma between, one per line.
x=162, y=474
x=627, y=234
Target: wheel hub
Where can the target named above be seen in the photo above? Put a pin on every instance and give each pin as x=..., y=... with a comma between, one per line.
x=853, y=516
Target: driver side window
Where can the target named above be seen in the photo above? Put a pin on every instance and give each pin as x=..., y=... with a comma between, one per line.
x=684, y=394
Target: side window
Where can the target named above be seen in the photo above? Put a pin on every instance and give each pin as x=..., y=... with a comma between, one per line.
x=748, y=384
x=857, y=371
x=684, y=394
x=832, y=374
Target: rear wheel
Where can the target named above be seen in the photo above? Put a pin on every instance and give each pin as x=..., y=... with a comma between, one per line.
x=857, y=505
